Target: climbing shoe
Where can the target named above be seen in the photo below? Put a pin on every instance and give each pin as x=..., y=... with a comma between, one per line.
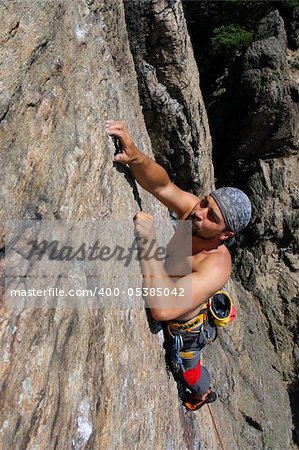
x=193, y=404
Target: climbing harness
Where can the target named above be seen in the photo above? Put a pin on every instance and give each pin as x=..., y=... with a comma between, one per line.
x=190, y=325
x=183, y=343
x=185, y=339
x=219, y=310
x=174, y=361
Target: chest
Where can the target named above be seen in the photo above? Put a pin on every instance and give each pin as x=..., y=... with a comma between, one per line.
x=180, y=261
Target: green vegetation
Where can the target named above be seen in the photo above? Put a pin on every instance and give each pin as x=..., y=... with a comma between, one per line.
x=276, y=74
x=258, y=82
x=230, y=39
x=220, y=30
x=292, y=3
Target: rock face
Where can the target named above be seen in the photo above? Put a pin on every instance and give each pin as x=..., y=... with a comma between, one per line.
x=96, y=378
x=168, y=81
x=255, y=110
x=64, y=75
x=77, y=378
x=259, y=135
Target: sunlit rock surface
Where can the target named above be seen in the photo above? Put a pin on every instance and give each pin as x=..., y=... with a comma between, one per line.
x=93, y=378
x=76, y=378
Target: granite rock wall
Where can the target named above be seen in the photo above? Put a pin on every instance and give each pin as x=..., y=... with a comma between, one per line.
x=96, y=378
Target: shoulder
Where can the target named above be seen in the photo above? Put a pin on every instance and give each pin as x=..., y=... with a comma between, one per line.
x=217, y=265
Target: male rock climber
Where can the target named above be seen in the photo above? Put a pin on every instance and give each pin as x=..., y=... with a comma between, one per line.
x=215, y=219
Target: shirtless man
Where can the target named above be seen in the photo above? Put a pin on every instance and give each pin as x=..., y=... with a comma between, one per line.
x=215, y=219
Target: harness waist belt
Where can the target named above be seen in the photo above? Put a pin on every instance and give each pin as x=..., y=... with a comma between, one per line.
x=189, y=325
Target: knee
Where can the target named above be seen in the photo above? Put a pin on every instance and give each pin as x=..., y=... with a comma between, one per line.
x=203, y=382
x=192, y=376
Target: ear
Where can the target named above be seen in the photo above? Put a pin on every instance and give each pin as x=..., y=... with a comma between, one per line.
x=225, y=235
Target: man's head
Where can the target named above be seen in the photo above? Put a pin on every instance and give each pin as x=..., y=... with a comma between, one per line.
x=235, y=207
x=220, y=215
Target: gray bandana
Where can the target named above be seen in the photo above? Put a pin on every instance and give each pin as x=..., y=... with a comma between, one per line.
x=235, y=207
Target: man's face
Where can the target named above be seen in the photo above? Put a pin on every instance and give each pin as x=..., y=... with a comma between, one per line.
x=207, y=220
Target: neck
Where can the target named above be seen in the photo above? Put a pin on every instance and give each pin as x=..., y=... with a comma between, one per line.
x=199, y=244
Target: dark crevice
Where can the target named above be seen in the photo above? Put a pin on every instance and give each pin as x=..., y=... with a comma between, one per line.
x=17, y=425
x=131, y=181
x=4, y=113
x=55, y=445
x=70, y=331
x=253, y=423
x=98, y=403
x=13, y=31
x=56, y=413
x=36, y=53
x=33, y=420
x=275, y=368
x=127, y=173
x=271, y=333
x=293, y=392
x=15, y=96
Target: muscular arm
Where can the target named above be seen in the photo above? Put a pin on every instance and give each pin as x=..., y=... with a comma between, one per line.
x=211, y=274
x=196, y=288
x=154, y=178
x=150, y=175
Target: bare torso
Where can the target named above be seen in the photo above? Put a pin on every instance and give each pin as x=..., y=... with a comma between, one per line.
x=183, y=261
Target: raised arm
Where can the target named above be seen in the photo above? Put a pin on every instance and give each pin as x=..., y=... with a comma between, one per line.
x=150, y=175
